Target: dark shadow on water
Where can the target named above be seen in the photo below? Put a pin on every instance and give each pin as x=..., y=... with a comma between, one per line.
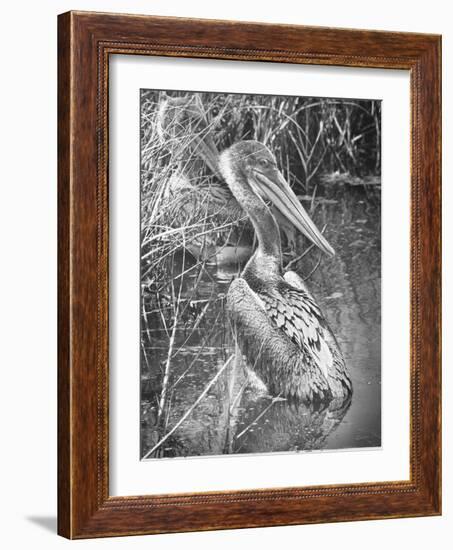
x=48, y=523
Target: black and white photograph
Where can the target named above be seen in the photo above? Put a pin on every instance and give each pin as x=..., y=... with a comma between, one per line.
x=260, y=273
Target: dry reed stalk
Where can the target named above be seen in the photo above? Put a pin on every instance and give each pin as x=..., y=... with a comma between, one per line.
x=189, y=411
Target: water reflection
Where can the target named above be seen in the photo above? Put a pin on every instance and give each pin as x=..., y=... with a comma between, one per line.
x=276, y=425
x=234, y=416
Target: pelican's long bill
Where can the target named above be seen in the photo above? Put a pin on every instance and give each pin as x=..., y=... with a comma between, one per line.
x=278, y=191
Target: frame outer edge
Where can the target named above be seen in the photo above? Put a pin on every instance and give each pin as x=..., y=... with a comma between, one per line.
x=438, y=178
x=64, y=340
x=427, y=275
x=432, y=148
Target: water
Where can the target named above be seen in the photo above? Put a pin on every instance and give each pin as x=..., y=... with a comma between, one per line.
x=234, y=416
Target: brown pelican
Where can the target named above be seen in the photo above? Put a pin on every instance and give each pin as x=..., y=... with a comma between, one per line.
x=280, y=328
x=196, y=193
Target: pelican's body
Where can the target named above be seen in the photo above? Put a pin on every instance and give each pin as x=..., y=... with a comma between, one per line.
x=280, y=329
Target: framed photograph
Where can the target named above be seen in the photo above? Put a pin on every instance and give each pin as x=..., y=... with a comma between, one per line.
x=249, y=275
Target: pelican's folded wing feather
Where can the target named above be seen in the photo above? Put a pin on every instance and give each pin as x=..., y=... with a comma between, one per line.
x=295, y=312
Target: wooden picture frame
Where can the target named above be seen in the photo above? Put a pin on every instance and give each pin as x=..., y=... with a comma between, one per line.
x=85, y=42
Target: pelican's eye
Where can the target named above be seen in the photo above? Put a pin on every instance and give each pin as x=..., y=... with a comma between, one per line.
x=264, y=163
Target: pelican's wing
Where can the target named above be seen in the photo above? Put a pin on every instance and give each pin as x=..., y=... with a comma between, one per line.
x=294, y=311
x=298, y=316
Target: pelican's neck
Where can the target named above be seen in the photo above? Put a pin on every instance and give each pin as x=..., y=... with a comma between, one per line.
x=267, y=231
x=263, y=221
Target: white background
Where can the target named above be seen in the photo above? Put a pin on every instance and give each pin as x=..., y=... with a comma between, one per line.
x=130, y=476
x=28, y=271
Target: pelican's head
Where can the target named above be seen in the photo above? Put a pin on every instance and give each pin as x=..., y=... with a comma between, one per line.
x=182, y=121
x=254, y=162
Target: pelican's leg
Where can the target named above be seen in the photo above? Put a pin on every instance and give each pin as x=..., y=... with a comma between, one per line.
x=252, y=380
x=258, y=387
